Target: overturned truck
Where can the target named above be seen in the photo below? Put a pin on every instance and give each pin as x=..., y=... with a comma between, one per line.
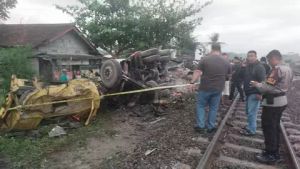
x=28, y=102
x=142, y=69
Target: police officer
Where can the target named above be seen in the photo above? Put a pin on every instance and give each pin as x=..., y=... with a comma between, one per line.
x=274, y=103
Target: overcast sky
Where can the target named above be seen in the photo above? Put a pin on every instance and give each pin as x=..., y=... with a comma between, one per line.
x=243, y=25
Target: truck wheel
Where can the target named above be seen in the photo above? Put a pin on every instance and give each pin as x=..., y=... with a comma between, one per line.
x=111, y=73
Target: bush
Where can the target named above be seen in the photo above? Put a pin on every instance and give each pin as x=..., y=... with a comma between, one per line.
x=15, y=61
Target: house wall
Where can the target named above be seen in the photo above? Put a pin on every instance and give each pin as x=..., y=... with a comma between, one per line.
x=70, y=43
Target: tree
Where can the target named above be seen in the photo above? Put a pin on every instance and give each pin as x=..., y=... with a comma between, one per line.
x=6, y=5
x=214, y=39
x=187, y=44
x=117, y=25
x=15, y=61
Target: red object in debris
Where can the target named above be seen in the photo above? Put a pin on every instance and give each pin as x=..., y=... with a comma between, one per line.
x=136, y=54
x=75, y=117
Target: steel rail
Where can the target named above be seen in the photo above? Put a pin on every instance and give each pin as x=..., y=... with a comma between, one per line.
x=290, y=148
x=211, y=147
x=208, y=153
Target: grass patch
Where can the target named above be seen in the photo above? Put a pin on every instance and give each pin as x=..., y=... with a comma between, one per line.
x=1, y=100
x=2, y=96
x=24, y=151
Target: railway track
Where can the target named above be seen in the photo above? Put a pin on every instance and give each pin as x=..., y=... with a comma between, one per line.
x=230, y=150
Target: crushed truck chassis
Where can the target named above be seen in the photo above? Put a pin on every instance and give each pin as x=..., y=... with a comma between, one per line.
x=26, y=106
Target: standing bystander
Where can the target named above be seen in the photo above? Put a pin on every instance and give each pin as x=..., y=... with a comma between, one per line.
x=236, y=79
x=274, y=103
x=63, y=76
x=263, y=61
x=213, y=70
x=252, y=71
x=226, y=91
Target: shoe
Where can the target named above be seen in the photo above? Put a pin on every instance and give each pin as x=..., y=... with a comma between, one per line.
x=200, y=130
x=264, y=153
x=211, y=130
x=267, y=158
x=247, y=133
x=246, y=130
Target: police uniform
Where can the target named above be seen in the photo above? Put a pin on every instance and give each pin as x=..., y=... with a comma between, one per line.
x=274, y=103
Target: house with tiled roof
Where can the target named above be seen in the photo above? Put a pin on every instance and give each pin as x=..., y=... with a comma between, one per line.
x=55, y=47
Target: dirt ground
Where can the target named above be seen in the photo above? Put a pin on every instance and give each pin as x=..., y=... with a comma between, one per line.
x=135, y=132
x=121, y=135
x=167, y=140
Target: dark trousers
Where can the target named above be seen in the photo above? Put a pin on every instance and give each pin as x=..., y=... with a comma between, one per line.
x=237, y=85
x=270, y=121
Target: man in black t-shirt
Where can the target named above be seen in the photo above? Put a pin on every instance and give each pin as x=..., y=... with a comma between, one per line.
x=213, y=69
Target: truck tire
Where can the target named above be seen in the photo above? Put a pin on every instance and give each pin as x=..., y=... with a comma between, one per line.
x=111, y=73
x=151, y=59
x=149, y=52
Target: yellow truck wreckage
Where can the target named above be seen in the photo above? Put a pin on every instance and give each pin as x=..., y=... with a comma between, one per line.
x=143, y=71
x=27, y=105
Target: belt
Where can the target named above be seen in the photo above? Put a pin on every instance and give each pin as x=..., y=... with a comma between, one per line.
x=275, y=95
x=279, y=94
x=270, y=97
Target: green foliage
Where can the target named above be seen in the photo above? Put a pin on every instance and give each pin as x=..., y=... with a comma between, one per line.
x=117, y=25
x=15, y=61
x=187, y=44
x=5, y=5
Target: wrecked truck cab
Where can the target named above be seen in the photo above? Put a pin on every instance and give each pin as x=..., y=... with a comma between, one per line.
x=140, y=70
x=26, y=106
x=136, y=70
